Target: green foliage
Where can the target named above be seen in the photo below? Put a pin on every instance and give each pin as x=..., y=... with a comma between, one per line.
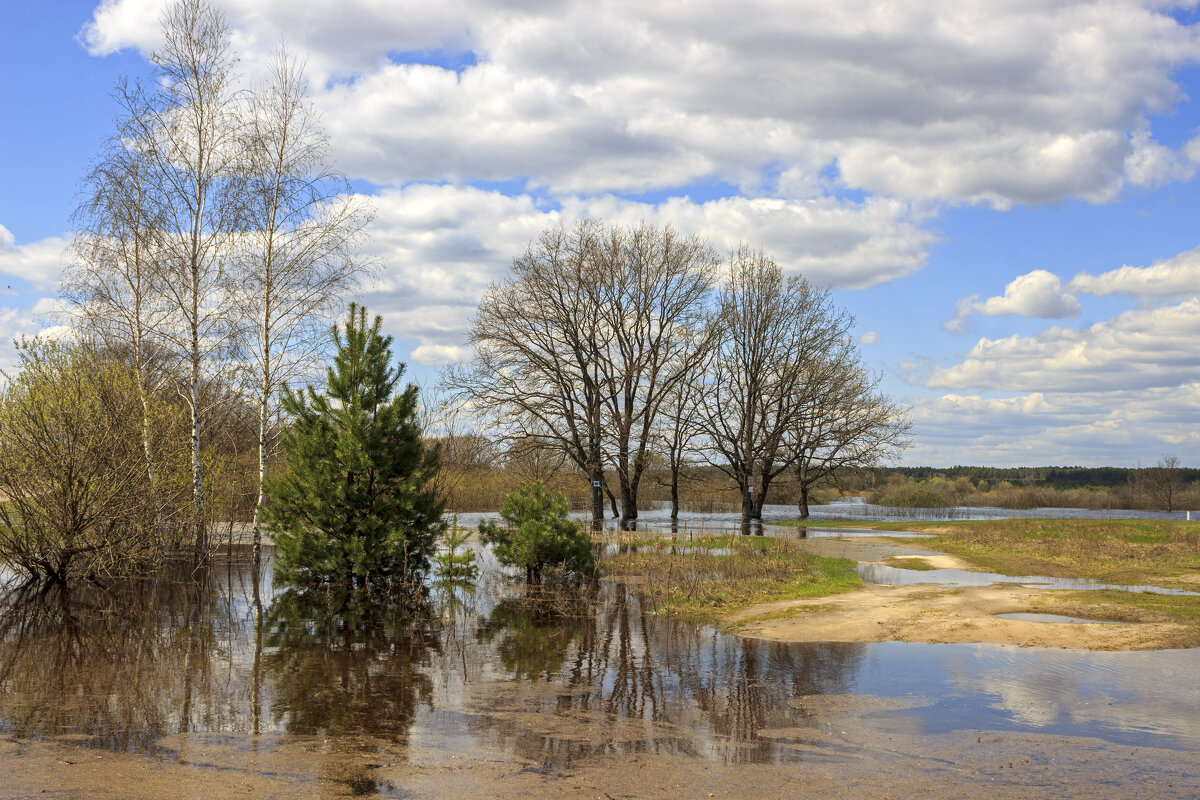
x=73, y=480
x=453, y=565
x=354, y=507
x=537, y=535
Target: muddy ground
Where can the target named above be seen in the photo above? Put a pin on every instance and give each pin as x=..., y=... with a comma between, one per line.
x=854, y=752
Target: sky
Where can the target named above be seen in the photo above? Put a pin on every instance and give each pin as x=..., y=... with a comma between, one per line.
x=1004, y=195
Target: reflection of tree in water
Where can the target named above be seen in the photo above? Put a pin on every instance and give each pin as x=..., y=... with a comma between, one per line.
x=658, y=684
x=342, y=666
x=125, y=664
x=531, y=640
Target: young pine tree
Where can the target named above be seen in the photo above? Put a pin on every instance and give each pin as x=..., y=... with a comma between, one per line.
x=353, y=507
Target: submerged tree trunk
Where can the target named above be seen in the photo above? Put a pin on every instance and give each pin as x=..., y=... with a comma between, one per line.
x=263, y=399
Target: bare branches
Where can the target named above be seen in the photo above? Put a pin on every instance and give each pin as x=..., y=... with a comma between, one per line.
x=298, y=254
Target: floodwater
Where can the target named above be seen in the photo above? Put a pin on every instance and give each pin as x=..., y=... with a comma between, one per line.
x=897, y=576
x=658, y=518
x=486, y=690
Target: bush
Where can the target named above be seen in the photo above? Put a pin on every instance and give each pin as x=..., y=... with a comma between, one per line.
x=538, y=535
x=73, y=481
x=915, y=496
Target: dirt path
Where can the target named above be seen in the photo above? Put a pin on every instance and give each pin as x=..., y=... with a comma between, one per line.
x=933, y=614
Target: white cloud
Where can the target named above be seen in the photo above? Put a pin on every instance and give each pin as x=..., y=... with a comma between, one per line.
x=16, y=323
x=870, y=337
x=988, y=102
x=1109, y=427
x=442, y=246
x=38, y=262
x=1140, y=349
x=1037, y=294
x=1178, y=275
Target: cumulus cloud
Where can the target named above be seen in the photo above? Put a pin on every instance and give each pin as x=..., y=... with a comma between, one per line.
x=38, y=262
x=442, y=245
x=1043, y=295
x=995, y=103
x=1108, y=427
x=1037, y=294
x=1178, y=275
x=37, y=320
x=1140, y=349
x=870, y=337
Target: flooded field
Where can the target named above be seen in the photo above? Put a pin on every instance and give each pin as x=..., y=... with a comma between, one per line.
x=197, y=687
x=658, y=519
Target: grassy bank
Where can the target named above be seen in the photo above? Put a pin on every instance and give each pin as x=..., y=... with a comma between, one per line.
x=707, y=576
x=1162, y=552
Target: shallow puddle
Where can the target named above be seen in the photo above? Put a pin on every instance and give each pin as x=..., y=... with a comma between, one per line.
x=1021, y=616
x=896, y=576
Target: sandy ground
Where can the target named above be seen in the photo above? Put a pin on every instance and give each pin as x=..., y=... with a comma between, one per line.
x=931, y=614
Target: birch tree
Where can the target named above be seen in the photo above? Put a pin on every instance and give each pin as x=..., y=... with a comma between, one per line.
x=187, y=131
x=299, y=256
x=112, y=278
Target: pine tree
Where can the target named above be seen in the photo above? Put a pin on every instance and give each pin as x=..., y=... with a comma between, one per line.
x=353, y=507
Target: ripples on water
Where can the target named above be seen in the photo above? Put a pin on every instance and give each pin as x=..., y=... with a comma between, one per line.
x=141, y=668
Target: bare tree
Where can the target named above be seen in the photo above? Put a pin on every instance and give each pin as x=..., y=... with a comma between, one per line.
x=1163, y=483
x=535, y=376
x=680, y=424
x=848, y=425
x=653, y=287
x=771, y=332
x=187, y=133
x=582, y=346
x=299, y=253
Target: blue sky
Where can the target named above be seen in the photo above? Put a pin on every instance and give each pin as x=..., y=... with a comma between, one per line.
x=1004, y=196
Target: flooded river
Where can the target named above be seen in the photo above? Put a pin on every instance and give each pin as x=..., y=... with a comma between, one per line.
x=197, y=688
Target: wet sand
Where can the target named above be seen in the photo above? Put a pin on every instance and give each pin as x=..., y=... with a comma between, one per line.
x=854, y=752
x=932, y=614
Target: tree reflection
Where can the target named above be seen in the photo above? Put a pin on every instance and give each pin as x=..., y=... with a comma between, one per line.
x=531, y=637
x=344, y=665
x=126, y=664
x=630, y=682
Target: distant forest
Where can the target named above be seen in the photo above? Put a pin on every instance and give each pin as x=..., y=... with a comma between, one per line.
x=1049, y=477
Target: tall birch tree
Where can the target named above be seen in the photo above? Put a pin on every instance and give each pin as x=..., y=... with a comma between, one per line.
x=298, y=258
x=188, y=131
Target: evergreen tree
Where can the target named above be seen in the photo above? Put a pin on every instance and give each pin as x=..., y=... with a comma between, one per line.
x=538, y=534
x=353, y=507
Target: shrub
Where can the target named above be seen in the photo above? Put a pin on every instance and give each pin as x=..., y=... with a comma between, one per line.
x=537, y=534
x=74, y=489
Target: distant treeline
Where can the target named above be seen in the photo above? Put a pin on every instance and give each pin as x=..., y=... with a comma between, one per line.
x=1047, y=477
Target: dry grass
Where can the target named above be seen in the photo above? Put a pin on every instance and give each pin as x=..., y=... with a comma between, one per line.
x=1163, y=552
x=703, y=576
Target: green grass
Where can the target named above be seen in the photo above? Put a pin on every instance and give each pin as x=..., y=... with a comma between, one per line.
x=697, y=584
x=903, y=562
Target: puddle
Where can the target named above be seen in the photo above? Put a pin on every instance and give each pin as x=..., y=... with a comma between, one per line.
x=172, y=668
x=1031, y=617
x=853, y=533
x=896, y=576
